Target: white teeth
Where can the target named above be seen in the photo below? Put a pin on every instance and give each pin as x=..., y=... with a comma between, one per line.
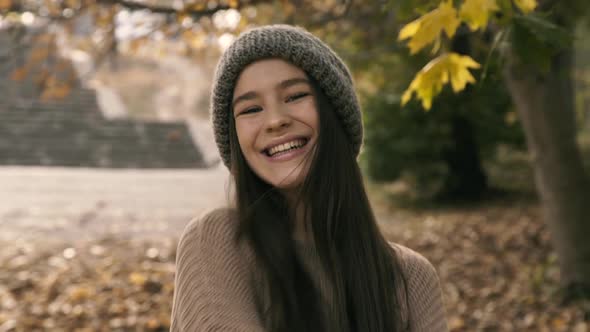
x=286, y=146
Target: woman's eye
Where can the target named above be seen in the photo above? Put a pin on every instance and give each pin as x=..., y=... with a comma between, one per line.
x=297, y=96
x=250, y=110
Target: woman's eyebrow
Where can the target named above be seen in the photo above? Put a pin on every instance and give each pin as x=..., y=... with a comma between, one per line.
x=282, y=85
x=292, y=81
x=246, y=96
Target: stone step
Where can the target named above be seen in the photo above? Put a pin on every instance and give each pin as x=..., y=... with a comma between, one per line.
x=96, y=164
x=84, y=138
x=74, y=158
x=74, y=132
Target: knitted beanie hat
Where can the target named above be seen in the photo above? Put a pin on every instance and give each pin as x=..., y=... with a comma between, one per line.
x=302, y=49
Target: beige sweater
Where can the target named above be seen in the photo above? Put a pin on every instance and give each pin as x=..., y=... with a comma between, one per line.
x=217, y=288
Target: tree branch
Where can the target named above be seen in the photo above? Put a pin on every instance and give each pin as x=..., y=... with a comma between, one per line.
x=195, y=13
x=135, y=5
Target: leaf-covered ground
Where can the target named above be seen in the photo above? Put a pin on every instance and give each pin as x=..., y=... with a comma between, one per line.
x=106, y=285
x=495, y=262
x=496, y=265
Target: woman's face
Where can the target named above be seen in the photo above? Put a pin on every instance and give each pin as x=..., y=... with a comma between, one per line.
x=276, y=121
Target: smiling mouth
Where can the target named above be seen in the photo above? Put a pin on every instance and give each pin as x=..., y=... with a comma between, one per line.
x=286, y=147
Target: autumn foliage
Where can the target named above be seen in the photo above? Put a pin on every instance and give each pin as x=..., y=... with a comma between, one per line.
x=437, y=24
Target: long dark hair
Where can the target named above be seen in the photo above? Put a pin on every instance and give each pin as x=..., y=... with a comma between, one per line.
x=360, y=264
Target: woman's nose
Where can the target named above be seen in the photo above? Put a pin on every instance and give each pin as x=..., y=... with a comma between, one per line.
x=277, y=118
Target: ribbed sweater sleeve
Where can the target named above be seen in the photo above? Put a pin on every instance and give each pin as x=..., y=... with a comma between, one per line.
x=212, y=281
x=425, y=301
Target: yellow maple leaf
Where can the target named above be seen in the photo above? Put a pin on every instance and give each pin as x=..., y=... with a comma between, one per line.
x=199, y=6
x=72, y=3
x=19, y=74
x=5, y=4
x=430, y=80
x=526, y=6
x=196, y=40
x=234, y=4
x=181, y=16
x=56, y=92
x=137, y=278
x=80, y=293
x=39, y=54
x=477, y=12
x=427, y=28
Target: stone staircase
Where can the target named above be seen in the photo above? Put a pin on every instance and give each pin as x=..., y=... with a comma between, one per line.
x=73, y=131
x=76, y=134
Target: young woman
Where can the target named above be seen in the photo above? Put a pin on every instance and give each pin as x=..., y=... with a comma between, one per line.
x=300, y=250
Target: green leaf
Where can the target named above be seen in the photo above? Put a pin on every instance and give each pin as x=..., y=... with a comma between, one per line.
x=545, y=31
x=529, y=49
x=504, y=15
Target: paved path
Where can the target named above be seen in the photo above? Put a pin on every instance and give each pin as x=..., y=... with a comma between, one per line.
x=78, y=203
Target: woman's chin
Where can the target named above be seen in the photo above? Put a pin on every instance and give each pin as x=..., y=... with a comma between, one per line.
x=288, y=184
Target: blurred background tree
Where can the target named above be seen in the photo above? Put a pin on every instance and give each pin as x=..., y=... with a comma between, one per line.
x=536, y=43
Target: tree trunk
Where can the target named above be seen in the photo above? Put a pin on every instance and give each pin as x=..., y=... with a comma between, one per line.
x=544, y=101
x=466, y=179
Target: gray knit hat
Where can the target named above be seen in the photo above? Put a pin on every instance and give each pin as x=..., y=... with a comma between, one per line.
x=299, y=47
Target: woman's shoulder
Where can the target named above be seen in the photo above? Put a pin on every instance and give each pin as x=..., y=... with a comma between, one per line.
x=212, y=287
x=424, y=294
x=212, y=223
x=415, y=266
x=214, y=228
